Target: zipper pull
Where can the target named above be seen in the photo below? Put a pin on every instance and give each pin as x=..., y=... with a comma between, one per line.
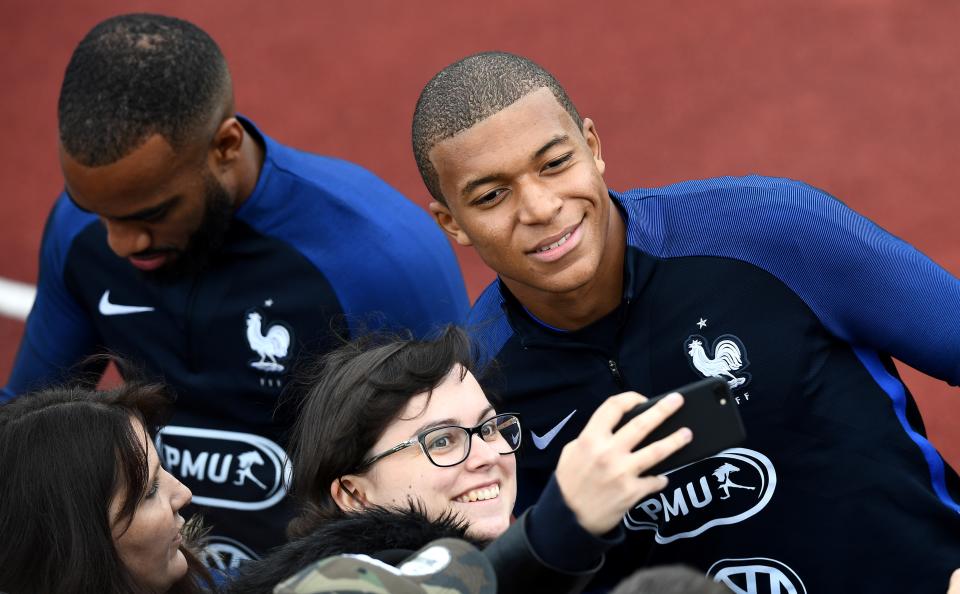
x=615, y=371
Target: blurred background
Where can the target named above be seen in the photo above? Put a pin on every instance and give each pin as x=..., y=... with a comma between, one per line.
x=857, y=97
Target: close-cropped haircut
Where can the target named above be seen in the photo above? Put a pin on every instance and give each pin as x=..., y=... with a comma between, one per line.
x=469, y=91
x=65, y=454
x=136, y=75
x=352, y=395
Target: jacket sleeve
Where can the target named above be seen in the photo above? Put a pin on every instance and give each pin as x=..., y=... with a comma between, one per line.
x=520, y=570
x=869, y=288
x=874, y=290
x=58, y=333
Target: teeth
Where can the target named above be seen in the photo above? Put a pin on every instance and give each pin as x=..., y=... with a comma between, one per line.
x=556, y=244
x=491, y=492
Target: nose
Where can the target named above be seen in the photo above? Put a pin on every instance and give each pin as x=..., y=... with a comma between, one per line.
x=181, y=495
x=126, y=238
x=482, y=454
x=538, y=204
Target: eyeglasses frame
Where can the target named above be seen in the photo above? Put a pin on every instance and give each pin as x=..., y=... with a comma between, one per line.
x=418, y=439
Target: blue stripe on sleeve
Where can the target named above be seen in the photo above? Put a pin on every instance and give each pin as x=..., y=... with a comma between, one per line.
x=898, y=397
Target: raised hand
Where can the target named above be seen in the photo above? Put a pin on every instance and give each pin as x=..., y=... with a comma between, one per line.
x=599, y=474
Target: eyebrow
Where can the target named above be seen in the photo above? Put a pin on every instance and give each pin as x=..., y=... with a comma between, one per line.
x=449, y=421
x=148, y=213
x=550, y=144
x=433, y=425
x=484, y=412
x=474, y=184
x=140, y=215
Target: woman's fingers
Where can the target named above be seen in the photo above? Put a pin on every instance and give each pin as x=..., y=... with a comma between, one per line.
x=608, y=414
x=658, y=451
x=631, y=434
x=954, y=587
x=646, y=486
x=599, y=474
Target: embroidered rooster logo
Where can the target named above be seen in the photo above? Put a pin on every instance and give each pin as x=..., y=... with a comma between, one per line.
x=273, y=345
x=728, y=356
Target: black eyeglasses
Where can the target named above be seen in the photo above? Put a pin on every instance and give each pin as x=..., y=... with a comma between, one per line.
x=449, y=445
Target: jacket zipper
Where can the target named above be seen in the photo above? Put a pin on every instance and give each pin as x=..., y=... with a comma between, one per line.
x=615, y=371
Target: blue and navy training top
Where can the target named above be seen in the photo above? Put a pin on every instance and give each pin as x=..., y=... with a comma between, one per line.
x=321, y=248
x=799, y=303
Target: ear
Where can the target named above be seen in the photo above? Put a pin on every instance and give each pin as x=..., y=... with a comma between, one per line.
x=593, y=141
x=448, y=223
x=347, y=492
x=227, y=141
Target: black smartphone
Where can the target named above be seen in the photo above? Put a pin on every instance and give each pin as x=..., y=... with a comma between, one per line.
x=708, y=410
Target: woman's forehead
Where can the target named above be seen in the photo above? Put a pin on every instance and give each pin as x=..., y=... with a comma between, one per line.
x=458, y=398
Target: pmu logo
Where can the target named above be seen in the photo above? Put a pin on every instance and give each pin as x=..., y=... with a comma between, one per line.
x=225, y=553
x=225, y=468
x=757, y=575
x=723, y=489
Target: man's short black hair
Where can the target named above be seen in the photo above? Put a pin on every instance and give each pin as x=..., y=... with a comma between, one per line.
x=136, y=75
x=469, y=91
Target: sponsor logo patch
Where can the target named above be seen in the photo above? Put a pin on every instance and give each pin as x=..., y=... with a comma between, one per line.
x=724, y=489
x=726, y=358
x=225, y=553
x=226, y=469
x=757, y=575
x=271, y=342
x=108, y=308
x=541, y=442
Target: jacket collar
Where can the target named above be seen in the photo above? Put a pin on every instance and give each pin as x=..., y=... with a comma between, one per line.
x=637, y=269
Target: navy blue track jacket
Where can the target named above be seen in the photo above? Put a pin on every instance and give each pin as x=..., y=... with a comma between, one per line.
x=321, y=246
x=799, y=303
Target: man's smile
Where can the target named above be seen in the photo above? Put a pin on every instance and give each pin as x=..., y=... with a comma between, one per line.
x=555, y=247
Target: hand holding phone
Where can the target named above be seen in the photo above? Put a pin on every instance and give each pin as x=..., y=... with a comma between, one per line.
x=708, y=410
x=600, y=474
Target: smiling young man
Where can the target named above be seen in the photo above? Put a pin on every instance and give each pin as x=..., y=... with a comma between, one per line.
x=188, y=241
x=776, y=287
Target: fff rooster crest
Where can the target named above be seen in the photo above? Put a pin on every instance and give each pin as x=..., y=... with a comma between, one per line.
x=726, y=359
x=272, y=346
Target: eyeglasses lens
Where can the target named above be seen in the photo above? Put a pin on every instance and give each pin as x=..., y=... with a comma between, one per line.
x=508, y=428
x=447, y=446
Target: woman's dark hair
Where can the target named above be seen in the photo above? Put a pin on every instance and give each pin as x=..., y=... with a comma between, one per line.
x=64, y=454
x=352, y=395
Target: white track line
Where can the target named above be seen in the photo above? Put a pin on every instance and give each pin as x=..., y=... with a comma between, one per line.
x=16, y=298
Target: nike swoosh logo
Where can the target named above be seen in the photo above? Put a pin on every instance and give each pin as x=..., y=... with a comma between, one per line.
x=114, y=309
x=543, y=442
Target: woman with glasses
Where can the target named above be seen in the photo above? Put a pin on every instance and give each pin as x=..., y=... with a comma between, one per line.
x=397, y=445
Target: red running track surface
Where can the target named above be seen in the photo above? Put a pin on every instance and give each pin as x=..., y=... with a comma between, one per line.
x=858, y=97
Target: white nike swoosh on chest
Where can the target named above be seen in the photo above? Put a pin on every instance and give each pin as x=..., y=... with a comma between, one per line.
x=543, y=442
x=114, y=309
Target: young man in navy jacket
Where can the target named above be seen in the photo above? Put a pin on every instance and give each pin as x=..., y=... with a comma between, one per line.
x=192, y=243
x=774, y=286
